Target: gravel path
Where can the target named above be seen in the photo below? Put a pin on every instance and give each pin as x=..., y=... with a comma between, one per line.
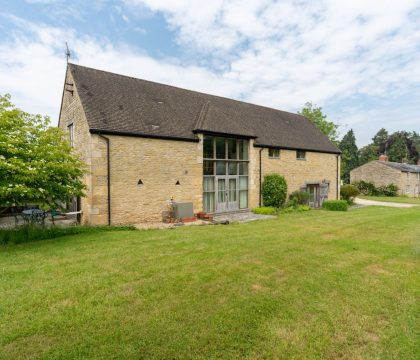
x=382, y=203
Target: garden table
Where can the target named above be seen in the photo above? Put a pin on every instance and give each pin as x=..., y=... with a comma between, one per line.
x=34, y=215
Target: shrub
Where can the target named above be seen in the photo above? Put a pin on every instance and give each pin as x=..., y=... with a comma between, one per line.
x=26, y=233
x=298, y=208
x=365, y=187
x=335, y=205
x=349, y=192
x=388, y=190
x=274, y=190
x=369, y=188
x=265, y=210
x=298, y=198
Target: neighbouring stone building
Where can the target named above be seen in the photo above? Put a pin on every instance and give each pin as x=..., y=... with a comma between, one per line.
x=146, y=143
x=384, y=172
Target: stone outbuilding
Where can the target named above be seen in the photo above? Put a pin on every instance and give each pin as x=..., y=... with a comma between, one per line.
x=384, y=172
x=146, y=143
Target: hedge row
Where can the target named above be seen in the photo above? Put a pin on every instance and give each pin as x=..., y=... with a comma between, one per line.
x=27, y=233
x=369, y=188
x=335, y=205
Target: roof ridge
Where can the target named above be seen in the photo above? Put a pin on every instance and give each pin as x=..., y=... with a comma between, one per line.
x=184, y=89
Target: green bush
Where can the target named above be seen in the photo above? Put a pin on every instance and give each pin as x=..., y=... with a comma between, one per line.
x=265, y=210
x=274, y=190
x=27, y=233
x=348, y=192
x=388, y=190
x=369, y=188
x=298, y=198
x=299, y=208
x=335, y=205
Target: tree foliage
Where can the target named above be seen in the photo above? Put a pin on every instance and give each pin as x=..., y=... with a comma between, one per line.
x=400, y=146
x=315, y=114
x=37, y=163
x=349, y=155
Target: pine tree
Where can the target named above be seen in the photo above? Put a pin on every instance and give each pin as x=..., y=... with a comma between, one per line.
x=349, y=156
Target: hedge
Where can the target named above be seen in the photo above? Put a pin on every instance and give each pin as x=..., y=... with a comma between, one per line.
x=27, y=233
x=369, y=188
x=335, y=205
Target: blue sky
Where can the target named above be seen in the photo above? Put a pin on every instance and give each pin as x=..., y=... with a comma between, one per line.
x=359, y=59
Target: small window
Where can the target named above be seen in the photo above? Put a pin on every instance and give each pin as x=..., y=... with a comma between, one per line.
x=300, y=155
x=71, y=134
x=274, y=153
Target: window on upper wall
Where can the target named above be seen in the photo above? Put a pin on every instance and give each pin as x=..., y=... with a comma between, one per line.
x=274, y=153
x=301, y=155
x=70, y=129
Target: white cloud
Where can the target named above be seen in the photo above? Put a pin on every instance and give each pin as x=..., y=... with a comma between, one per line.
x=33, y=67
x=279, y=54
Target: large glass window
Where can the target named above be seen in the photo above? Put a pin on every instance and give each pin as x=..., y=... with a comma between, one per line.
x=208, y=147
x=220, y=148
x=208, y=167
x=208, y=196
x=225, y=174
x=243, y=149
x=232, y=149
x=220, y=168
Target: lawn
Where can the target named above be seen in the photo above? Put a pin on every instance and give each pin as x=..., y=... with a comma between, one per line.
x=397, y=199
x=335, y=285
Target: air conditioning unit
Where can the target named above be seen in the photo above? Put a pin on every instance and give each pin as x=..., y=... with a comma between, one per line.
x=183, y=210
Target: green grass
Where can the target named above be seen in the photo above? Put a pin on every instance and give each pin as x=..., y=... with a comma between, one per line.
x=397, y=199
x=308, y=285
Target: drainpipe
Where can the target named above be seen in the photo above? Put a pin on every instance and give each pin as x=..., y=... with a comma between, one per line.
x=108, y=176
x=260, y=203
x=338, y=178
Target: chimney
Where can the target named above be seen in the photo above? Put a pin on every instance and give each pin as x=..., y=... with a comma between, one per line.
x=383, y=157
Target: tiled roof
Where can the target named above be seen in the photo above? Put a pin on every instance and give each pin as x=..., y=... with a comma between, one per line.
x=402, y=167
x=120, y=104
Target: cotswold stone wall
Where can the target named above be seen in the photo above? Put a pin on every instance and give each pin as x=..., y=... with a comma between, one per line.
x=72, y=113
x=317, y=167
x=159, y=164
x=410, y=184
x=379, y=174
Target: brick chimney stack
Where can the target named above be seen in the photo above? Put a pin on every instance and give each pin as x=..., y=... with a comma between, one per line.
x=383, y=157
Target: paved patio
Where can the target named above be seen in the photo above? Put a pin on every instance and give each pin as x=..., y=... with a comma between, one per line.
x=241, y=217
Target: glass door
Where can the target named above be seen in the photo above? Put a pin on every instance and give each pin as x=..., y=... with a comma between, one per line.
x=233, y=194
x=221, y=204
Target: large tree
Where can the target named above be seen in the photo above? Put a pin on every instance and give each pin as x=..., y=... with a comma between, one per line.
x=314, y=113
x=397, y=148
x=380, y=137
x=37, y=164
x=368, y=153
x=349, y=156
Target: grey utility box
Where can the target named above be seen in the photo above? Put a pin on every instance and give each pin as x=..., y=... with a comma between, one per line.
x=183, y=210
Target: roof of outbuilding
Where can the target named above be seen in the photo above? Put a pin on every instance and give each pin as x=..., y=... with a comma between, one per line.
x=402, y=166
x=120, y=104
